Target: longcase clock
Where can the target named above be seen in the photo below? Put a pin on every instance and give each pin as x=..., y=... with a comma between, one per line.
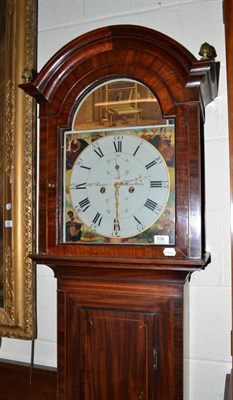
x=121, y=206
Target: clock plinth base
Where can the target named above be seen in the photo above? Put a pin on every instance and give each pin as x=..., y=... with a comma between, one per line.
x=120, y=329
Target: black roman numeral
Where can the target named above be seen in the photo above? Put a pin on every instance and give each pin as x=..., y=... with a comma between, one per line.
x=151, y=164
x=140, y=225
x=156, y=184
x=118, y=146
x=79, y=162
x=97, y=219
x=84, y=204
x=159, y=184
x=81, y=186
x=98, y=151
x=137, y=220
x=150, y=204
x=158, y=160
x=134, y=154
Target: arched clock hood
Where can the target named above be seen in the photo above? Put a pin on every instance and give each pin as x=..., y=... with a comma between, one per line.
x=183, y=86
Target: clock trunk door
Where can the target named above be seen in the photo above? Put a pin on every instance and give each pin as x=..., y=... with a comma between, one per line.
x=117, y=355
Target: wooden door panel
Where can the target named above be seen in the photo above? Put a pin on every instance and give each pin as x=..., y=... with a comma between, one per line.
x=117, y=355
x=122, y=341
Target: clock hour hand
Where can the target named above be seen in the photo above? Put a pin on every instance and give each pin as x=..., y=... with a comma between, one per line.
x=117, y=167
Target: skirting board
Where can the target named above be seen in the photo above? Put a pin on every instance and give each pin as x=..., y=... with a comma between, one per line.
x=15, y=385
x=15, y=382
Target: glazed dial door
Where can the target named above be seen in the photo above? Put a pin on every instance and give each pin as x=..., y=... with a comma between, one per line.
x=119, y=185
x=118, y=169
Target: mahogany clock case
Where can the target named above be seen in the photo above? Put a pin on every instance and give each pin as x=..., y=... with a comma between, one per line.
x=183, y=87
x=120, y=305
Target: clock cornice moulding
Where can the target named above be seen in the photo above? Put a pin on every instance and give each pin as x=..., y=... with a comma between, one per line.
x=197, y=77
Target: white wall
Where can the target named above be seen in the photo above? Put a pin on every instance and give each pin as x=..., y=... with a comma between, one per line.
x=191, y=22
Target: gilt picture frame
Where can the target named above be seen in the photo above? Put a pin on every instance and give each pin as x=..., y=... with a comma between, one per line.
x=17, y=130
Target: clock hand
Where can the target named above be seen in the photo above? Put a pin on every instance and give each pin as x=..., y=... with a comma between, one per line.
x=117, y=186
x=125, y=182
x=117, y=167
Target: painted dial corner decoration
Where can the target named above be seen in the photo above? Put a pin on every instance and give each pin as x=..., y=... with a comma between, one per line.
x=119, y=178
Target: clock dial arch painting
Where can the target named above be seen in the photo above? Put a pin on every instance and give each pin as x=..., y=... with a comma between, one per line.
x=119, y=169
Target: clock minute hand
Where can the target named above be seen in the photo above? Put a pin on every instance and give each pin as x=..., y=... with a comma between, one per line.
x=117, y=186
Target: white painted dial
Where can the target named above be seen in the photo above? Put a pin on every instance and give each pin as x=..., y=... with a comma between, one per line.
x=119, y=185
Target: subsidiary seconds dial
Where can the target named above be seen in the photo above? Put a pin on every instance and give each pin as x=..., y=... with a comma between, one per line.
x=119, y=185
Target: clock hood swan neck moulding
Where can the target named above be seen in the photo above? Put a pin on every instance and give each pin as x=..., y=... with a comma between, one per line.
x=181, y=85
